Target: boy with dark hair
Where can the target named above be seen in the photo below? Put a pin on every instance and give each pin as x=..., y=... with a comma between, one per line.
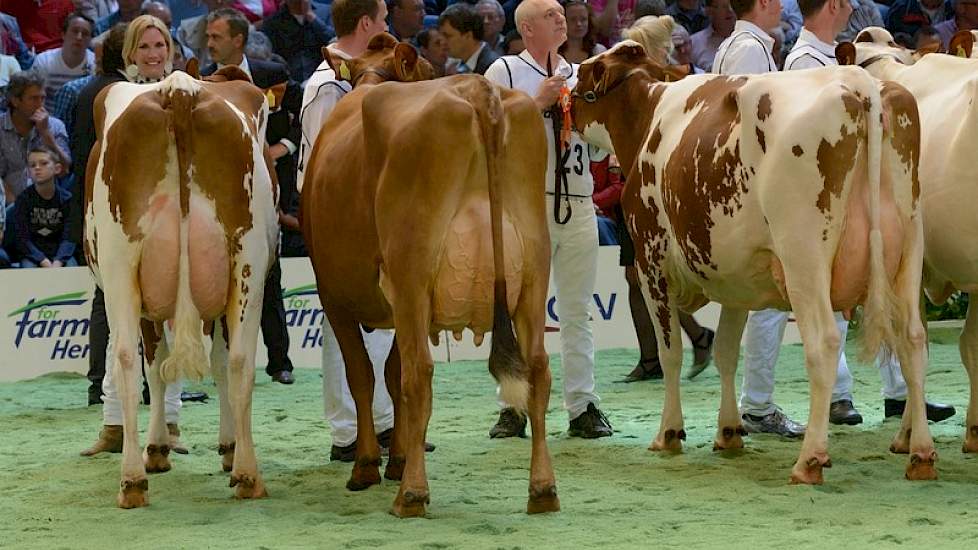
x=41, y=217
x=462, y=27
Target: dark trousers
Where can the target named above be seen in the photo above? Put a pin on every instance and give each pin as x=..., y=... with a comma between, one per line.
x=4, y=259
x=98, y=340
x=274, y=331
x=642, y=321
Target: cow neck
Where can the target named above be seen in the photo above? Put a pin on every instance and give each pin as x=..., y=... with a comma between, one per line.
x=631, y=124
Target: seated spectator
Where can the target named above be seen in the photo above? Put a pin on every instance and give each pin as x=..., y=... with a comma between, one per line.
x=42, y=215
x=581, y=36
x=791, y=23
x=193, y=33
x=298, y=35
x=965, y=19
x=434, y=48
x=97, y=9
x=907, y=16
x=704, y=44
x=462, y=27
x=689, y=14
x=12, y=43
x=650, y=7
x=865, y=13
x=40, y=21
x=24, y=126
x=927, y=38
x=606, y=197
x=4, y=257
x=611, y=17
x=493, y=19
x=128, y=10
x=72, y=60
x=513, y=43
x=682, y=51
x=405, y=18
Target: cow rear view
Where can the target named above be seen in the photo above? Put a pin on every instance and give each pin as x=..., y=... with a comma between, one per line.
x=181, y=226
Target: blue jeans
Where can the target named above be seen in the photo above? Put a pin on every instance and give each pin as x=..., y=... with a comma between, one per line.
x=27, y=263
x=4, y=259
x=607, y=231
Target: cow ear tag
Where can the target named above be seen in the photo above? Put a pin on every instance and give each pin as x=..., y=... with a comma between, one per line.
x=270, y=96
x=344, y=71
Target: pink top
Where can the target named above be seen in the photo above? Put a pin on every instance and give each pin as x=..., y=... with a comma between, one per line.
x=626, y=16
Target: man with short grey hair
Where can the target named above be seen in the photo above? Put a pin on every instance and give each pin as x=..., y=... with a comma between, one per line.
x=493, y=19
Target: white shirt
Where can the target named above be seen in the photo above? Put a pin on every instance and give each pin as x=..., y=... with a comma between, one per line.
x=705, y=44
x=244, y=66
x=810, y=53
x=522, y=72
x=319, y=97
x=52, y=66
x=746, y=51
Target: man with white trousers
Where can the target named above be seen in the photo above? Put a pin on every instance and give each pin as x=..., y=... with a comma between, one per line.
x=573, y=228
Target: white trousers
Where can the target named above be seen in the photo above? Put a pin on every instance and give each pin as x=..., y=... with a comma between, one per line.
x=338, y=404
x=765, y=330
x=574, y=269
x=112, y=406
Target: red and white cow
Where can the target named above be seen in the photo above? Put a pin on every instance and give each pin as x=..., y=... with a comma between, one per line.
x=181, y=224
x=944, y=87
x=781, y=190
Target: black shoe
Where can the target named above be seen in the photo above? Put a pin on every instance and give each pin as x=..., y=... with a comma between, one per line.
x=702, y=353
x=343, y=454
x=194, y=396
x=510, y=424
x=935, y=411
x=644, y=371
x=94, y=395
x=842, y=412
x=283, y=377
x=590, y=424
x=384, y=440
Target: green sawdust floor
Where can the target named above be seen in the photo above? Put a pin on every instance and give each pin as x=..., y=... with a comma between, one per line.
x=615, y=493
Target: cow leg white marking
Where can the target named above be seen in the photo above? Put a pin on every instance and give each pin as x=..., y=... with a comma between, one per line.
x=219, y=370
x=969, y=356
x=727, y=350
x=671, y=433
x=155, y=457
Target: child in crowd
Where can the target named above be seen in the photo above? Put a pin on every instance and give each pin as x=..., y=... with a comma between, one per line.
x=41, y=215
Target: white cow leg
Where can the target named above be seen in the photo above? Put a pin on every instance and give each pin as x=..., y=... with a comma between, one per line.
x=128, y=381
x=671, y=433
x=219, y=370
x=969, y=356
x=730, y=430
x=241, y=383
x=156, y=455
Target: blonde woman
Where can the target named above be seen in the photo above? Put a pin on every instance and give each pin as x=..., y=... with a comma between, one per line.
x=654, y=33
x=147, y=51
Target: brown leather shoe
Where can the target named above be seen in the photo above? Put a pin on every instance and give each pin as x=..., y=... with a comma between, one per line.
x=176, y=445
x=644, y=371
x=109, y=441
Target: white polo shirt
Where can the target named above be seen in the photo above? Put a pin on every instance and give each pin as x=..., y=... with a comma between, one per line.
x=522, y=72
x=746, y=51
x=810, y=53
x=319, y=97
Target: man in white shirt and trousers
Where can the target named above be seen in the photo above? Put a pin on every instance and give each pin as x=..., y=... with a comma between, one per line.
x=356, y=22
x=542, y=73
x=815, y=48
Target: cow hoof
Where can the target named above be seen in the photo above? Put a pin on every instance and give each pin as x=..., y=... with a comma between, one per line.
x=156, y=459
x=543, y=499
x=132, y=493
x=901, y=443
x=921, y=467
x=669, y=441
x=809, y=472
x=395, y=468
x=970, y=440
x=227, y=456
x=246, y=486
x=410, y=503
x=366, y=472
x=730, y=439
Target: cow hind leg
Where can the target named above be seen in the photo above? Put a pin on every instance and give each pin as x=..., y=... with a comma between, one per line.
x=219, y=370
x=392, y=378
x=969, y=356
x=156, y=455
x=671, y=430
x=730, y=429
x=529, y=323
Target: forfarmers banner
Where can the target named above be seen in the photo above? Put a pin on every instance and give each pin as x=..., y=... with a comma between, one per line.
x=46, y=319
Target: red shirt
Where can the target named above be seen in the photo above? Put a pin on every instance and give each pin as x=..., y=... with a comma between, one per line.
x=607, y=187
x=40, y=20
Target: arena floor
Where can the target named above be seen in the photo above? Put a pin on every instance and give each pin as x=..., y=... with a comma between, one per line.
x=615, y=493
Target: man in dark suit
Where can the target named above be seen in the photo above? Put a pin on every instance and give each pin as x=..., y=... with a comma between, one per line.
x=462, y=27
x=227, y=35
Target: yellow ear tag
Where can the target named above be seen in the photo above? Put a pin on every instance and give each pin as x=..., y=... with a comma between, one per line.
x=344, y=71
x=961, y=52
x=271, y=99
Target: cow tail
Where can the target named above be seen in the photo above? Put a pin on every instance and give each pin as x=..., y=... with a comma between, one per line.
x=187, y=358
x=882, y=312
x=506, y=363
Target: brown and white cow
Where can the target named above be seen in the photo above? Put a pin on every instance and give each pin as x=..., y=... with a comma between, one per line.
x=181, y=224
x=423, y=210
x=781, y=190
x=944, y=87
